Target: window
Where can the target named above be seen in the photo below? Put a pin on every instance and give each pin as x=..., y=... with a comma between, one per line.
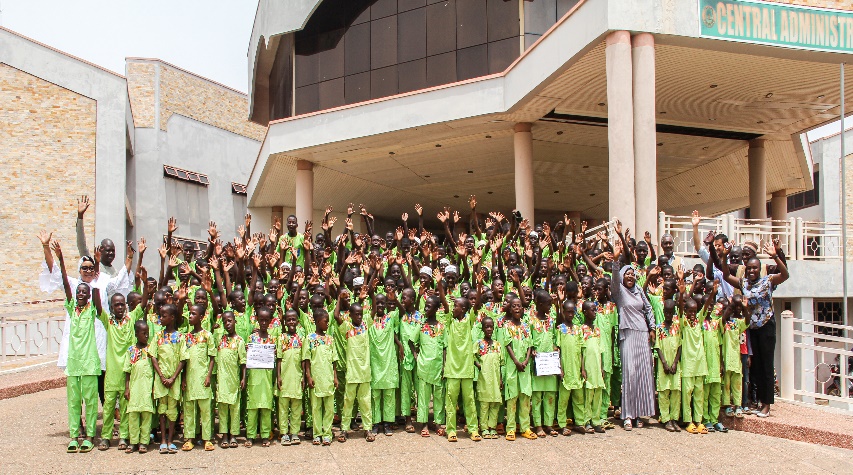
x=196, y=245
x=828, y=311
x=184, y=175
x=188, y=203
x=238, y=189
x=806, y=199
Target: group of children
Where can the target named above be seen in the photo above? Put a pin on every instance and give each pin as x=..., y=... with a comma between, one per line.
x=292, y=328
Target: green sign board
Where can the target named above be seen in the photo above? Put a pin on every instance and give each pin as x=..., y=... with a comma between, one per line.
x=767, y=23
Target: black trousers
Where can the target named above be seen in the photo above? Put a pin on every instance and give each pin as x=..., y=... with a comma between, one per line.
x=762, y=372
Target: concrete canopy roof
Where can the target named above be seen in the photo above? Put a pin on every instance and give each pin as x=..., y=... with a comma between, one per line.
x=384, y=153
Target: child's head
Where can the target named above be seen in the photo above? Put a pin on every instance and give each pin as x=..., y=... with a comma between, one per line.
x=488, y=326
x=571, y=290
x=407, y=297
x=133, y=300
x=668, y=310
x=356, y=313
x=321, y=319
x=588, y=310
x=200, y=299
x=543, y=302
x=690, y=308
x=641, y=250
x=516, y=308
x=600, y=289
x=317, y=301
x=168, y=315
x=291, y=320
x=460, y=307
x=270, y=301
x=431, y=305
x=196, y=315
x=264, y=317
x=586, y=285
x=380, y=303
x=667, y=272
x=140, y=329
x=228, y=322
x=569, y=310
x=118, y=305
x=669, y=288
x=83, y=294
x=302, y=299
x=238, y=300
x=698, y=271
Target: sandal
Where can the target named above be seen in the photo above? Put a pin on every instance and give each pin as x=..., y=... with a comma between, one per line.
x=691, y=428
x=388, y=430
x=143, y=449
x=86, y=446
x=164, y=449
x=598, y=429
x=441, y=431
x=223, y=444
x=528, y=434
x=476, y=437
x=719, y=427
x=103, y=444
x=425, y=432
x=627, y=425
x=342, y=437
x=451, y=438
x=327, y=441
x=173, y=449
x=701, y=428
x=122, y=444
x=73, y=447
x=188, y=445
x=248, y=443
x=316, y=441
x=510, y=435
x=730, y=412
x=285, y=440
x=501, y=430
x=128, y=449
x=540, y=434
x=739, y=413
x=369, y=436
x=640, y=423
x=410, y=429
x=566, y=431
x=233, y=443
x=587, y=429
x=209, y=446
x=294, y=440
x=553, y=432
x=265, y=442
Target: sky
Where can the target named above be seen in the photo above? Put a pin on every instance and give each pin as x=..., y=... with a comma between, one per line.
x=206, y=37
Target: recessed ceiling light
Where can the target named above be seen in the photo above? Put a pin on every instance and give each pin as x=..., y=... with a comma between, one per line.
x=426, y=176
x=490, y=192
x=437, y=145
x=470, y=171
x=488, y=136
x=760, y=122
x=698, y=193
x=660, y=144
x=768, y=95
x=559, y=132
x=821, y=96
x=585, y=166
x=601, y=104
x=711, y=119
x=592, y=194
x=713, y=86
x=343, y=161
x=456, y=196
x=705, y=148
x=390, y=153
x=663, y=112
x=556, y=191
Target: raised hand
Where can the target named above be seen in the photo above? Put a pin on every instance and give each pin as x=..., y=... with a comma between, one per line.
x=473, y=202
x=309, y=225
x=328, y=210
x=617, y=225
x=82, y=206
x=248, y=220
x=164, y=250
x=695, y=219
x=349, y=210
x=770, y=250
x=57, y=248
x=141, y=244
x=129, y=251
x=241, y=230
x=456, y=216
x=96, y=254
x=173, y=225
x=419, y=209
x=332, y=220
x=45, y=237
x=647, y=236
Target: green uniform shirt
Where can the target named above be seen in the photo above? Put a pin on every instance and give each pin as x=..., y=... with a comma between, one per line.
x=591, y=347
x=201, y=347
x=656, y=302
x=607, y=320
x=431, y=343
x=569, y=342
x=243, y=322
x=358, y=350
x=516, y=336
x=383, y=351
x=320, y=351
x=83, y=359
x=306, y=321
x=693, y=348
x=410, y=326
x=544, y=341
x=169, y=350
x=287, y=241
x=138, y=363
x=259, y=392
x=460, y=346
x=230, y=355
x=490, y=356
x=711, y=337
x=340, y=341
x=288, y=349
x=732, y=334
x=667, y=342
x=120, y=336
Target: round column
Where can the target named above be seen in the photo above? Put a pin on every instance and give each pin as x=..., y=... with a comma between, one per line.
x=757, y=180
x=645, y=135
x=304, y=192
x=523, y=143
x=620, y=128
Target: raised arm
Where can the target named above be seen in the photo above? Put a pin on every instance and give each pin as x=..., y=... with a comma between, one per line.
x=782, y=276
x=57, y=249
x=45, y=238
x=82, y=206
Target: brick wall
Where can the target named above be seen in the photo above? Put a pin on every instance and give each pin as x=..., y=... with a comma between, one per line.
x=47, y=157
x=188, y=95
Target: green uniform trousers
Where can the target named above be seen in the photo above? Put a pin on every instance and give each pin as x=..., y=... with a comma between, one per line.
x=592, y=406
x=229, y=418
x=732, y=388
x=252, y=416
x=669, y=402
x=518, y=413
x=323, y=410
x=82, y=390
x=466, y=387
x=195, y=412
x=139, y=426
x=384, y=403
x=713, y=394
x=339, y=392
x=489, y=415
x=361, y=393
x=543, y=404
x=289, y=415
x=434, y=393
x=605, y=395
x=168, y=406
x=692, y=391
x=573, y=397
x=408, y=385
x=110, y=399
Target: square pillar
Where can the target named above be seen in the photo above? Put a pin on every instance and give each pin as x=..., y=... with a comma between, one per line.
x=645, y=135
x=757, y=180
x=620, y=128
x=523, y=145
x=304, y=192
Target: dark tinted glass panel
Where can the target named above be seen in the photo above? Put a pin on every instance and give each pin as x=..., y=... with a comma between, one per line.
x=357, y=88
x=383, y=8
x=472, y=62
x=383, y=42
x=363, y=15
x=406, y=5
x=281, y=80
x=441, y=69
x=357, y=47
x=411, y=35
x=503, y=19
x=530, y=39
x=539, y=15
x=383, y=82
x=332, y=93
x=441, y=27
x=563, y=7
x=307, y=99
x=470, y=23
x=430, y=2
x=502, y=53
x=412, y=75
x=331, y=55
x=307, y=67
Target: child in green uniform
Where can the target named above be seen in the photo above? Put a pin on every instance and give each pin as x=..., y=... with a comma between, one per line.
x=289, y=371
x=459, y=366
x=168, y=354
x=384, y=349
x=606, y=320
x=571, y=385
x=517, y=381
x=544, y=400
x=668, y=349
x=259, y=385
x=230, y=380
x=138, y=383
x=592, y=369
x=733, y=327
x=120, y=336
x=84, y=364
x=489, y=361
x=429, y=359
x=356, y=335
x=411, y=321
x=198, y=396
x=711, y=334
x=694, y=366
x=320, y=359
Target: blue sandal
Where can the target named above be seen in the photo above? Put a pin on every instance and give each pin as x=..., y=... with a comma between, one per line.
x=164, y=449
x=173, y=449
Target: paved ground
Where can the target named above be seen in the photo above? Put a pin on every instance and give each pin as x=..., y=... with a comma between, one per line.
x=34, y=434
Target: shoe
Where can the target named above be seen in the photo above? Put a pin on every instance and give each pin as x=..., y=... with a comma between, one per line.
x=701, y=428
x=627, y=425
x=528, y=434
x=327, y=441
x=719, y=427
x=294, y=440
x=285, y=440
x=730, y=412
x=598, y=429
x=709, y=428
x=608, y=425
x=691, y=428
x=588, y=429
x=739, y=413
x=762, y=415
x=510, y=435
x=668, y=427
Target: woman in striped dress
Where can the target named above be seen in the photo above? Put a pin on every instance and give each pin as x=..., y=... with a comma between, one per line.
x=636, y=332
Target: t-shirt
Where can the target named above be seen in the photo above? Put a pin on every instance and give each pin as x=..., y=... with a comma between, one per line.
x=460, y=346
x=288, y=349
x=120, y=336
x=490, y=357
x=431, y=343
x=569, y=342
x=320, y=351
x=230, y=355
x=667, y=342
x=383, y=351
x=138, y=363
x=259, y=393
x=83, y=359
x=169, y=349
x=732, y=333
x=201, y=347
x=591, y=348
x=358, y=350
x=693, y=361
x=606, y=319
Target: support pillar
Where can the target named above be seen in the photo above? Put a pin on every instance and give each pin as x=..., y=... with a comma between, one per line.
x=304, y=192
x=757, y=180
x=779, y=205
x=645, y=135
x=277, y=212
x=523, y=143
x=620, y=128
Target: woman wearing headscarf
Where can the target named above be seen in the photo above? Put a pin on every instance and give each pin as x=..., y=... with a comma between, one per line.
x=636, y=331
